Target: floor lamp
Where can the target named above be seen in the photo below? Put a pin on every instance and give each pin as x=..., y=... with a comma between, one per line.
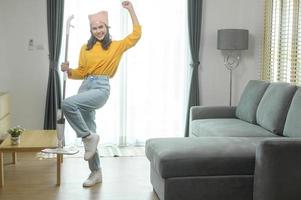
x=231, y=42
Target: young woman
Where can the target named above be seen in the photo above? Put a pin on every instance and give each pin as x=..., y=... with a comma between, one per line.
x=98, y=62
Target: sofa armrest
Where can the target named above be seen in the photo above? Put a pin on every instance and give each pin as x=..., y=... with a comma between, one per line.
x=278, y=169
x=207, y=112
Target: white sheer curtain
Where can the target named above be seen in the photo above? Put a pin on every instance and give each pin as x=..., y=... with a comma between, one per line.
x=148, y=91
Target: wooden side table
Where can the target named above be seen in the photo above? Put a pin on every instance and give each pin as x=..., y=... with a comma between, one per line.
x=31, y=141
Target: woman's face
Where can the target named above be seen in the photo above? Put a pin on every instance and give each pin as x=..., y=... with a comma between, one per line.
x=99, y=30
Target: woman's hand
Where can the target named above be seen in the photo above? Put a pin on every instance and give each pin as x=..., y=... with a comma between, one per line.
x=65, y=66
x=127, y=5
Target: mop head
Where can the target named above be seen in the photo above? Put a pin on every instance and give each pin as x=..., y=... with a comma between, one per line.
x=61, y=149
x=64, y=150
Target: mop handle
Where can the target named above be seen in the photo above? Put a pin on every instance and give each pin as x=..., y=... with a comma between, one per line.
x=66, y=56
x=67, y=42
x=66, y=50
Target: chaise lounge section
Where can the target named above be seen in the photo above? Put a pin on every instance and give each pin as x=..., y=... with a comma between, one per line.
x=247, y=152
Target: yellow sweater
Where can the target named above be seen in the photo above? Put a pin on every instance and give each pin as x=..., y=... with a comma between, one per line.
x=98, y=61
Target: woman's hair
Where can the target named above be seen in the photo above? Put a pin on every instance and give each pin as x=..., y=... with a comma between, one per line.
x=105, y=42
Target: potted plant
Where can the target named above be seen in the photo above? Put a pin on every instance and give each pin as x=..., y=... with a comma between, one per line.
x=15, y=133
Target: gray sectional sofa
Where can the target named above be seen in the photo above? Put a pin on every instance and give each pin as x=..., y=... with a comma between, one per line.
x=248, y=152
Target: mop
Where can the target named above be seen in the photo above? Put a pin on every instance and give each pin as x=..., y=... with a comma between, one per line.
x=60, y=126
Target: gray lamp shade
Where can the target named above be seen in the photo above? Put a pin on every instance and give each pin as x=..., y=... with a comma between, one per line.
x=232, y=39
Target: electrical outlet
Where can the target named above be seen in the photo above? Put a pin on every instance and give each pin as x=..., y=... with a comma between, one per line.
x=40, y=47
x=30, y=45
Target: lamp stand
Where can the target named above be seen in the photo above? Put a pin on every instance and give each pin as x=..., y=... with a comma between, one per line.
x=230, y=95
x=231, y=62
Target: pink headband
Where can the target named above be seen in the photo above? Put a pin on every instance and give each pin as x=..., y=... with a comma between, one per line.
x=101, y=16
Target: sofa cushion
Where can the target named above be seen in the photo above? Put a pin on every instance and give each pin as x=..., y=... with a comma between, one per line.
x=249, y=100
x=204, y=156
x=292, y=126
x=273, y=107
x=227, y=127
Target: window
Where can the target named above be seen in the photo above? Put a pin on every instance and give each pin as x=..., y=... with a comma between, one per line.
x=282, y=41
x=148, y=92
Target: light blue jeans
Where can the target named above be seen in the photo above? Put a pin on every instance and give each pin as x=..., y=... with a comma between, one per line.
x=80, y=109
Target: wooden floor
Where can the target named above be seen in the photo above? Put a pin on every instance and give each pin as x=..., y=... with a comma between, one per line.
x=124, y=178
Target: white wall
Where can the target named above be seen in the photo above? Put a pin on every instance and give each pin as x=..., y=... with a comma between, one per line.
x=4, y=70
x=214, y=77
x=24, y=72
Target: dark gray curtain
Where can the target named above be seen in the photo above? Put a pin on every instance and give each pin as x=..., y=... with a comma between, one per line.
x=194, y=28
x=55, y=15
